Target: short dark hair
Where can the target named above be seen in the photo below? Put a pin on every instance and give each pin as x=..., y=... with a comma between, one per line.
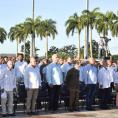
x=20, y=54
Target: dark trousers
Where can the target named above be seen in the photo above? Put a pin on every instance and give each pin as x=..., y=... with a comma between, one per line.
x=105, y=97
x=73, y=99
x=54, y=97
x=90, y=95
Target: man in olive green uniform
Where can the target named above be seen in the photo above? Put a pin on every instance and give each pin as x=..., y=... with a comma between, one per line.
x=72, y=81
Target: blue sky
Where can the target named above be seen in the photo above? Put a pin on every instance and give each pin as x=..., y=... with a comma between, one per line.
x=16, y=11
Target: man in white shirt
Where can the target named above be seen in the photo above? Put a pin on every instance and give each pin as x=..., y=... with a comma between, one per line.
x=7, y=87
x=20, y=67
x=104, y=80
x=54, y=78
x=32, y=80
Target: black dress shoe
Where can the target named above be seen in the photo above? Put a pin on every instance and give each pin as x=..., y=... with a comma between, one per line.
x=29, y=113
x=11, y=114
x=4, y=115
x=90, y=109
x=70, y=110
x=76, y=110
x=34, y=113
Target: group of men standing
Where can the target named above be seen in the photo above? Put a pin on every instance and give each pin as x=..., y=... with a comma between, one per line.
x=13, y=75
x=57, y=74
x=102, y=78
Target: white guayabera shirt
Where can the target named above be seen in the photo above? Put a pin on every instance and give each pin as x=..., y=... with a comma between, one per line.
x=32, y=77
x=104, y=79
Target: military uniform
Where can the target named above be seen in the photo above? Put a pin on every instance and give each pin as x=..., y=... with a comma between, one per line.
x=72, y=81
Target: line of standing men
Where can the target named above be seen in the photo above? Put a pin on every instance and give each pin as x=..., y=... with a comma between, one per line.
x=13, y=75
x=56, y=76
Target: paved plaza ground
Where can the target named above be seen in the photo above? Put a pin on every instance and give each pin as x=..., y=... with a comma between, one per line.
x=84, y=114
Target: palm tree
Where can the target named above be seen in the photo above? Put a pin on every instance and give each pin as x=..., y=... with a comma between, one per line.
x=16, y=34
x=114, y=30
x=103, y=23
x=3, y=35
x=114, y=25
x=22, y=34
x=32, y=28
x=47, y=29
x=74, y=23
x=89, y=18
x=12, y=36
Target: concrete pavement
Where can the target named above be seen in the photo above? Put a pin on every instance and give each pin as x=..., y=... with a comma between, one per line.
x=85, y=114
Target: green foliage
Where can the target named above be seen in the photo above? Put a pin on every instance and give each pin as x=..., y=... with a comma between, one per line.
x=115, y=57
x=3, y=35
x=64, y=52
x=27, y=50
x=94, y=49
x=48, y=28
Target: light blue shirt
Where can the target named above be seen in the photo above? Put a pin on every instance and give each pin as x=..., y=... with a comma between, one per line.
x=65, y=68
x=2, y=67
x=82, y=73
x=104, y=78
x=111, y=71
x=8, y=79
x=54, y=74
x=20, y=67
x=91, y=73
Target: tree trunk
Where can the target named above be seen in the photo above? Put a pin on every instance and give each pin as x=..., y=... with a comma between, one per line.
x=85, y=45
x=32, y=48
x=46, y=47
x=17, y=41
x=78, y=45
x=34, y=52
x=24, y=48
x=106, y=50
x=91, y=51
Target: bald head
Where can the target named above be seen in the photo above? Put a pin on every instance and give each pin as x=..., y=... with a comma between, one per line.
x=55, y=58
x=10, y=64
x=69, y=60
x=109, y=62
x=91, y=60
x=33, y=61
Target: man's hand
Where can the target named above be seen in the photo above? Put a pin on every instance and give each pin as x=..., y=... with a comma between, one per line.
x=27, y=89
x=39, y=87
x=14, y=90
x=62, y=84
x=101, y=86
x=2, y=90
x=51, y=85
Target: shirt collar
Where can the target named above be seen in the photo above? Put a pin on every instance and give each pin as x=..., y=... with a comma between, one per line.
x=9, y=69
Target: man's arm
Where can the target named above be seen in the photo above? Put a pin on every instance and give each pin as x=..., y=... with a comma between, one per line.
x=26, y=77
x=49, y=74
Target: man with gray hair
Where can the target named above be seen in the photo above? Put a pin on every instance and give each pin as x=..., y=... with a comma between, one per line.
x=7, y=87
x=32, y=80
